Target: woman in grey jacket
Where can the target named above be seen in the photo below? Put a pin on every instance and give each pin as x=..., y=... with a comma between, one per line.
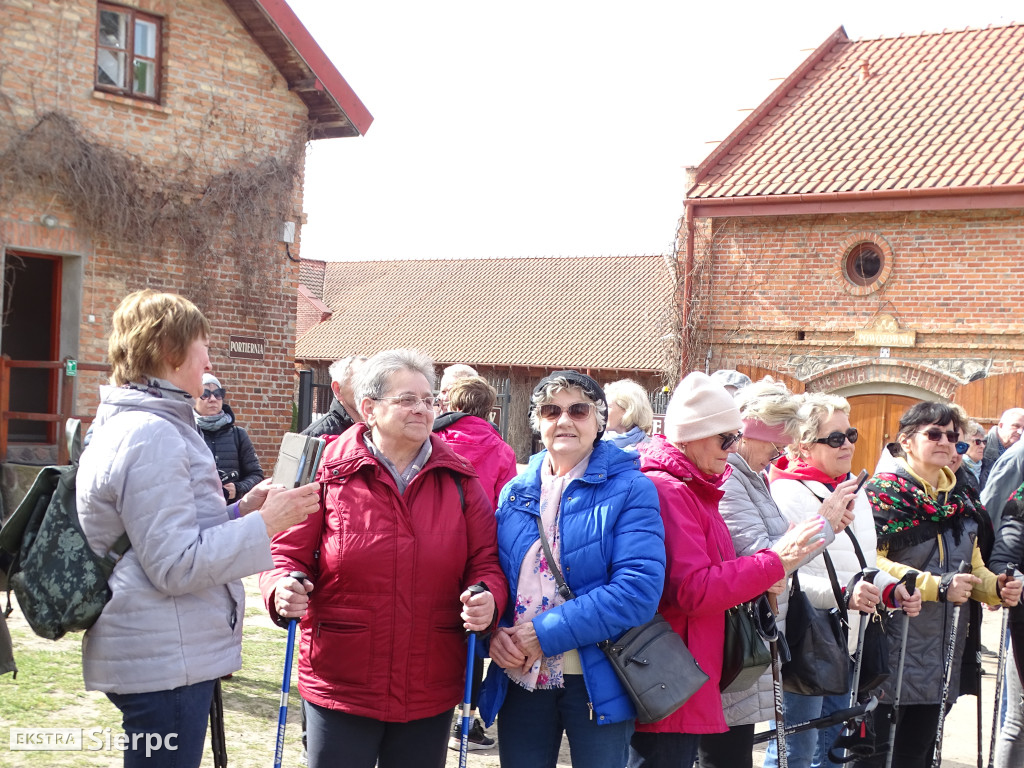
x=173, y=625
x=770, y=423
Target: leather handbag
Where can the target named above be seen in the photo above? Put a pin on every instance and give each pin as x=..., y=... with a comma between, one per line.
x=745, y=654
x=819, y=663
x=651, y=661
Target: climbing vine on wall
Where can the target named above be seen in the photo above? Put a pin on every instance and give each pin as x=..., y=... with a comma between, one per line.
x=116, y=197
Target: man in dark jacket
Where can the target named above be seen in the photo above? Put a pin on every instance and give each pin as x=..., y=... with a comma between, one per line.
x=343, y=413
x=1000, y=437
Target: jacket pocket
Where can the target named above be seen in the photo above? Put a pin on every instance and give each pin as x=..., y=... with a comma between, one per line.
x=341, y=649
x=446, y=647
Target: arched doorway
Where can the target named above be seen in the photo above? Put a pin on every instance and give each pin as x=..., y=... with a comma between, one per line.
x=877, y=418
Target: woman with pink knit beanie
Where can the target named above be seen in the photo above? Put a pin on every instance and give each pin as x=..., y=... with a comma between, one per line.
x=703, y=578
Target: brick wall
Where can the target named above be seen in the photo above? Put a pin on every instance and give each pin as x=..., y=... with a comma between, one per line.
x=777, y=291
x=222, y=104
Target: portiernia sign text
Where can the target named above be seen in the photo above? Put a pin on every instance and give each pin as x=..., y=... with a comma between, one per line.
x=246, y=347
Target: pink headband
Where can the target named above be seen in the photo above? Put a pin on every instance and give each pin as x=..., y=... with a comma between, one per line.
x=758, y=430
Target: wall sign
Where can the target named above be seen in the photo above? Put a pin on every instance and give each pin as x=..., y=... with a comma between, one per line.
x=884, y=332
x=247, y=347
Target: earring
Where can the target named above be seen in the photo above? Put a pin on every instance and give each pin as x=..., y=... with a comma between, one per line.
x=177, y=368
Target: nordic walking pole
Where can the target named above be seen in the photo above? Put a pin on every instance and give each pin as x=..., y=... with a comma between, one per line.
x=467, y=705
x=282, y=717
x=780, y=710
x=947, y=675
x=839, y=716
x=910, y=580
x=868, y=575
x=1000, y=671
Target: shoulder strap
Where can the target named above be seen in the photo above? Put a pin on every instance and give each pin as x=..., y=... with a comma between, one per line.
x=458, y=487
x=563, y=588
x=856, y=548
x=836, y=591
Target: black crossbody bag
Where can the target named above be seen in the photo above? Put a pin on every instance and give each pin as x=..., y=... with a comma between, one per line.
x=652, y=662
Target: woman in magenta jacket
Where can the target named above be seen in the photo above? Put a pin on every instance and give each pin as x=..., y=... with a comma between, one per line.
x=405, y=530
x=703, y=577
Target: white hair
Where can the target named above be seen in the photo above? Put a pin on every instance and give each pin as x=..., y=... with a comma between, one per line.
x=375, y=377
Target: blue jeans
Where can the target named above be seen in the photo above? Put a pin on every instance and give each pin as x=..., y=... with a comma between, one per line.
x=808, y=749
x=165, y=729
x=531, y=723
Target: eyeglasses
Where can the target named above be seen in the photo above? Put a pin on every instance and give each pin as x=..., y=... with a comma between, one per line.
x=207, y=394
x=837, y=438
x=729, y=440
x=935, y=434
x=981, y=441
x=409, y=401
x=576, y=411
x=779, y=453
x=962, y=447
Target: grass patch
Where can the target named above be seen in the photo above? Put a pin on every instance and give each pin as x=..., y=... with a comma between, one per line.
x=49, y=693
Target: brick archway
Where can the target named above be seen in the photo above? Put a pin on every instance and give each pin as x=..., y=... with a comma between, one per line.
x=897, y=372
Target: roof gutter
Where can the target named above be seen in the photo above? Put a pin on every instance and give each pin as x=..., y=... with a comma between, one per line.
x=871, y=201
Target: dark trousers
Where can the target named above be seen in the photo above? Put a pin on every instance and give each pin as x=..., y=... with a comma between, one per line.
x=165, y=728
x=338, y=740
x=663, y=750
x=732, y=749
x=916, y=725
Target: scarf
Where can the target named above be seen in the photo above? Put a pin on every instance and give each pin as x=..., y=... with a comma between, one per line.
x=625, y=440
x=799, y=469
x=213, y=423
x=973, y=466
x=907, y=514
x=160, y=388
x=537, y=590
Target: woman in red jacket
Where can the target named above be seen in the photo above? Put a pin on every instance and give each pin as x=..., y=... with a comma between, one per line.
x=703, y=576
x=405, y=530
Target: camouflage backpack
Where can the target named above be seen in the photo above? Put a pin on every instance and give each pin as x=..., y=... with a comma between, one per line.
x=60, y=583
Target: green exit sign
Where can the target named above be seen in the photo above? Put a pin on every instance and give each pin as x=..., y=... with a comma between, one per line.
x=71, y=368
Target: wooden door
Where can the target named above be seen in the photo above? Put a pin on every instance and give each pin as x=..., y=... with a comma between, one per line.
x=877, y=418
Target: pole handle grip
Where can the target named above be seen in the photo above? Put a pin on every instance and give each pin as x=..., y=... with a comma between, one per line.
x=910, y=580
x=1011, y=568
x=965, y=567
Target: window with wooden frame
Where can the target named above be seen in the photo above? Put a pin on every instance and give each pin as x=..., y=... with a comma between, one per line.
x=128, y=49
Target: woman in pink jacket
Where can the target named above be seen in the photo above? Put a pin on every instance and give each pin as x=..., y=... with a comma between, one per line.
x=703, y=578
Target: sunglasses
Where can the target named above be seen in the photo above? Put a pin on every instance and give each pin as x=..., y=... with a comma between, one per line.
x=935, y=434
x=729, y=440
x=837, y=438
x=207, y=394
x=981, y=441
x=576, y=411
x=962, y=447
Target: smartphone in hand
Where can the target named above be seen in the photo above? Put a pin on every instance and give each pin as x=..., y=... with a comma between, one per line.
x=861, y=479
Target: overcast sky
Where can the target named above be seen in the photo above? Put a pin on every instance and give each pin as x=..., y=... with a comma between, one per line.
x=554, y=128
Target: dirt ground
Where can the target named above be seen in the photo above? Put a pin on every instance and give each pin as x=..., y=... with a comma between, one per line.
x=960, y=741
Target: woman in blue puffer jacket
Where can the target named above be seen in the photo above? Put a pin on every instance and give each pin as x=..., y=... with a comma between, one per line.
x=601, y=519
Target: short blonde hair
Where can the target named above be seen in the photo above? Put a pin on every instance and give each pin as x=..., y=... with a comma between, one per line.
x=151, y=329
x=815, y=409
x=771, y=403
x=633, y=400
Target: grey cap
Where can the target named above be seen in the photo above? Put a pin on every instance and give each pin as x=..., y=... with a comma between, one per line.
x=729, y=378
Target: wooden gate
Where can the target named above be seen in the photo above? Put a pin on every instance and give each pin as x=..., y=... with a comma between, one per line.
x=877, y=418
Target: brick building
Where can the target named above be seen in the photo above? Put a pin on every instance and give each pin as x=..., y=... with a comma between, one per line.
x=514, y=320
x=862, y=231
x=161, y=144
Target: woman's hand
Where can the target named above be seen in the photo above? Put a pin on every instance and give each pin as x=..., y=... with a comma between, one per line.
x=504, y=651
x=230, y=490
x=254, y=499
x=291, y=597
x=910, y=603
x=1009, y=590
x=799, y=541
x=778, y=587
x=961, y=586
x=838, y=507
x=285, y=508
x=516, y=646
x=477, y=610
x=865, y=597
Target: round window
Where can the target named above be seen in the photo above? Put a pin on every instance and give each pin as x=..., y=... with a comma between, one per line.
x=864, y=263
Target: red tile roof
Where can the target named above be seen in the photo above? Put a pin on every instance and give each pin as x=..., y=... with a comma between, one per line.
x=334, y=108
x=941, y=112
x=609, y=312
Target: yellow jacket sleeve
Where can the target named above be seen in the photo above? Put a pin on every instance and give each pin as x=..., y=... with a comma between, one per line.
x=986, y=591
x=927, y=583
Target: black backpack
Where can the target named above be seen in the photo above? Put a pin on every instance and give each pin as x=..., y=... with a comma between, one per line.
x=60, y=583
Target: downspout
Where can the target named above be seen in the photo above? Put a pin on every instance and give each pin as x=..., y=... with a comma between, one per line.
x=687, y=289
